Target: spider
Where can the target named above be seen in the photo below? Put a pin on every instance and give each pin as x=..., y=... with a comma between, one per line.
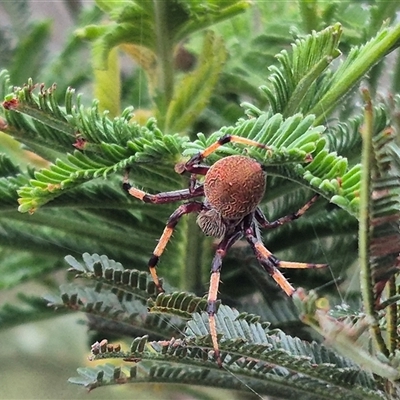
x=233, y=188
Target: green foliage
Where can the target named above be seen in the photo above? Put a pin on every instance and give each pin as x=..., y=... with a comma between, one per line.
x=141, y=22
x=251, y=352
x=31, y=308
x=269, y=354
x=191, y=89
x=299, y=72
x=60, y=192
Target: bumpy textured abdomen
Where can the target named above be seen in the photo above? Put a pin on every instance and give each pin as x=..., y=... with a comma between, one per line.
x=234, y=186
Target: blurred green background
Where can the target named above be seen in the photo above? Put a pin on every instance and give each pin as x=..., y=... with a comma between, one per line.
x=26, y=369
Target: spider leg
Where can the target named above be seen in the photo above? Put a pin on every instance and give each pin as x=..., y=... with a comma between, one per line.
x=192, y=164
x=183, y=209
x=163, y=197
x=216, y=265
x=264, y=223
x=271, y=263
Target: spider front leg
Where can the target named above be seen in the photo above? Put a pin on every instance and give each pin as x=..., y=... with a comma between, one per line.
x=192, y=164
x=162, y=198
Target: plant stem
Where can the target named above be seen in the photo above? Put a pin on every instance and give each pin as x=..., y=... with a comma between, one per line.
x=192, y=273
x=392, y=317
x=309, y=15
x=366, y=279
x=164, y=52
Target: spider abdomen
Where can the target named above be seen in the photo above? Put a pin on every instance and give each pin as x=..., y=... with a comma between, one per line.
x=234, y=186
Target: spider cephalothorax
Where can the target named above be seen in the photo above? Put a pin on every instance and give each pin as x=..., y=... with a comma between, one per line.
x=232, y=190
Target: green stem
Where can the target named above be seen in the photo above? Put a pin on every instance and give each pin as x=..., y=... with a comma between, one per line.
x=395, y=80
x=366, y=279
x=304, y=85
x=309, y=14
x=192, y=273
x=164, y=52
x=392, y=317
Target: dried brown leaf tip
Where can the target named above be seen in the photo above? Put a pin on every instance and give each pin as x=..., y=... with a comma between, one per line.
x=103, y=347
x=11, y=104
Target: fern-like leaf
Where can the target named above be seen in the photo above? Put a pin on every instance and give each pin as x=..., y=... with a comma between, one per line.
x=294, y=86
x=108, y=272
x=111, y=146
x=117, y=299
x=359, y=61
x=252, y=355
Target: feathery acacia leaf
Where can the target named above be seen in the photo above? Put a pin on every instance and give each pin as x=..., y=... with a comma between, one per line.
x=111, y=146
x=106, y=271
x=251, y=353
x=112, y=313
x=118, y=300
x=300, y=85
x=359, y=61
x=249, y=349
x=294, y=87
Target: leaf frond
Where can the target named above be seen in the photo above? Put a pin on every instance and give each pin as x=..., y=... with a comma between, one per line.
x=108, y=312
x=294, y=87
x=111, y=146
x=105, y=146
x=138, y=23
x=252, y=354
x=117, y=299
x=358, y=62
x=105, y=271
